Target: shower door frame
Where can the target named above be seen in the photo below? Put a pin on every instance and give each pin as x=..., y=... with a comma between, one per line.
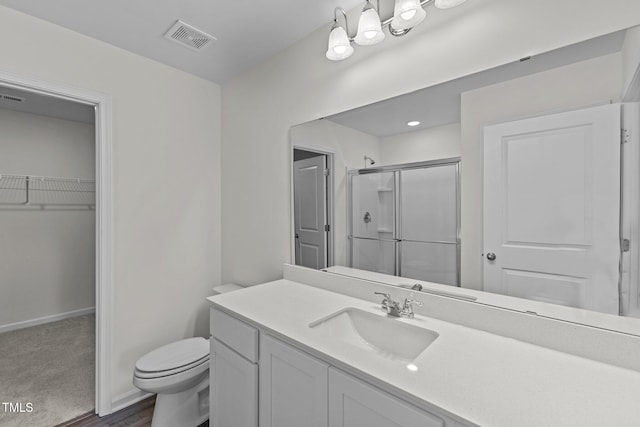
x=398, y=189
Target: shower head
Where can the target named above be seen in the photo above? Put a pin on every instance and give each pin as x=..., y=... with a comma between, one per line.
x=372, y=162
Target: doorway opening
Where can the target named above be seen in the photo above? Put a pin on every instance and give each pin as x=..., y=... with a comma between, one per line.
x=313, y=207
x=60, y=194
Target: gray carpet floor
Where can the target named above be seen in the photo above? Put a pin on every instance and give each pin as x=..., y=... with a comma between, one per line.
x=50, y=366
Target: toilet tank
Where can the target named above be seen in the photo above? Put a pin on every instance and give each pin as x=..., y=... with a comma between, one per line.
x=227, y=287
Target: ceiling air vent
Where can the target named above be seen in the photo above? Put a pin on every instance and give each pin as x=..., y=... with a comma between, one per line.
x=5, y=97
x=189, y=36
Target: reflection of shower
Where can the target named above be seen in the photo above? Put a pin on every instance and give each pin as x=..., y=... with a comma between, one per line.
x=372, y=162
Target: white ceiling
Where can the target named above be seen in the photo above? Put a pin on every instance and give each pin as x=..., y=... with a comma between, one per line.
x=45, y=105
x=247, y=32
x=440, y=105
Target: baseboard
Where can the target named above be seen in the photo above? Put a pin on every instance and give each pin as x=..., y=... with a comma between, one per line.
x=127, y=399
x=47, y=319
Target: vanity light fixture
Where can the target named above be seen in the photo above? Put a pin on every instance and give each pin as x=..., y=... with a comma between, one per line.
x=413, y=123
x=448, y=4
x=339, y=44
x=369, y=26
x=406, y=15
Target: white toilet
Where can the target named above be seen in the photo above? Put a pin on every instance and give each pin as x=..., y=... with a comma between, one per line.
x=179, y=374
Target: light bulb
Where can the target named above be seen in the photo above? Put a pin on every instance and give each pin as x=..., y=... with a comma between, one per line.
x=369, y=27
x=370, y=34
x=340, y=49
x=339, y=46
x=407, y=14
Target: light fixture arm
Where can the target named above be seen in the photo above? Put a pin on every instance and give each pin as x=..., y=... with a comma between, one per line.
x=346, y=21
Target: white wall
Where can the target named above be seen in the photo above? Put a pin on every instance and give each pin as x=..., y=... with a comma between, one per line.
x=350, y=146
x=166, y=180
x=630, y=57
x=300, y=84
x=439, y=142
x=573, y=86
x=48, y=256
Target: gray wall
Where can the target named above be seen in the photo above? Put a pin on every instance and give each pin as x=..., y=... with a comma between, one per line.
x=166, y=181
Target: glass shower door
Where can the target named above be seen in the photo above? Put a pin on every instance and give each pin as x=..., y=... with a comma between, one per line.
x=429, y=219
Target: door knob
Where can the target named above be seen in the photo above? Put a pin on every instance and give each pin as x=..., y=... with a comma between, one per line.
x=367, y=218
x=491, y=256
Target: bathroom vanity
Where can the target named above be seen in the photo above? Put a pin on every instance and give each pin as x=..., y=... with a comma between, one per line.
x=294, y=353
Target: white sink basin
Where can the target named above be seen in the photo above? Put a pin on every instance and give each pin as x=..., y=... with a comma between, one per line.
x=387, y=337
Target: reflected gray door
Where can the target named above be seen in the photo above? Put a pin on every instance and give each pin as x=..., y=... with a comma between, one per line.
x=310, y=212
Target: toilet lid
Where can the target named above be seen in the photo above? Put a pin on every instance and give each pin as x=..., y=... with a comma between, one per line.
x=174, y=355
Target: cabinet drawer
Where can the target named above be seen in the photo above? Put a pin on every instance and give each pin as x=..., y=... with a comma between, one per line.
x=236, y=334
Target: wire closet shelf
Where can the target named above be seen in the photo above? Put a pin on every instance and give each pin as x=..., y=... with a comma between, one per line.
x=28, y=190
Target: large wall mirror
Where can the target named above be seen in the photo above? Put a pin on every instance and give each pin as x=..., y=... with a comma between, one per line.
x=516, y=181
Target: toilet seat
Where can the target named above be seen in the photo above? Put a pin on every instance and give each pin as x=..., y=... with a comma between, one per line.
x=173, y=367
x=173, y=358
x=157, y=374
x=173, y=383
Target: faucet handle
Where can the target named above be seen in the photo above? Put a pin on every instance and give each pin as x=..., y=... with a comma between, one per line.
x=386, y=296
x=407, y=306
x=410, y=300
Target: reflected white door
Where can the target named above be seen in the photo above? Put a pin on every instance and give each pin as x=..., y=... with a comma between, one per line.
x=310, y=211
x=551, y=208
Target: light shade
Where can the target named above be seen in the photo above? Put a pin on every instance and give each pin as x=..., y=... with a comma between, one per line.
x=407, y=14
x=339, y=46
x=448, y=4
x=369, y=27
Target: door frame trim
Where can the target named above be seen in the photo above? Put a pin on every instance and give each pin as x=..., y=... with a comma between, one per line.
x=329, y=154
x=104, y=216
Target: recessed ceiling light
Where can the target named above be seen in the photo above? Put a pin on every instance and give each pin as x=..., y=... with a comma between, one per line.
x=413, y=123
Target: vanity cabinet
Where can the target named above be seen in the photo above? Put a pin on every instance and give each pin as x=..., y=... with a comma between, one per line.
x=233, y=372
x=234, y=389
x=355, y=403
x=293, y=386
x=258, y=380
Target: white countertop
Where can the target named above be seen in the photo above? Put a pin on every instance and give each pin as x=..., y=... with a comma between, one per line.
x=473, y=376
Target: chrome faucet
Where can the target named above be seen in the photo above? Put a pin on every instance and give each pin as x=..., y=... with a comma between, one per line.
x=393, y=307
x=407, y=306
x=390, y=306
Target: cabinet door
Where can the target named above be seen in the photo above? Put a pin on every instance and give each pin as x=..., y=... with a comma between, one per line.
x=353, y=403
x=233, y=388
x=293, y=387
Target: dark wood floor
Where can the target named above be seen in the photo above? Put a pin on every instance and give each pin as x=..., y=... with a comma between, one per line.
x=138, y=415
